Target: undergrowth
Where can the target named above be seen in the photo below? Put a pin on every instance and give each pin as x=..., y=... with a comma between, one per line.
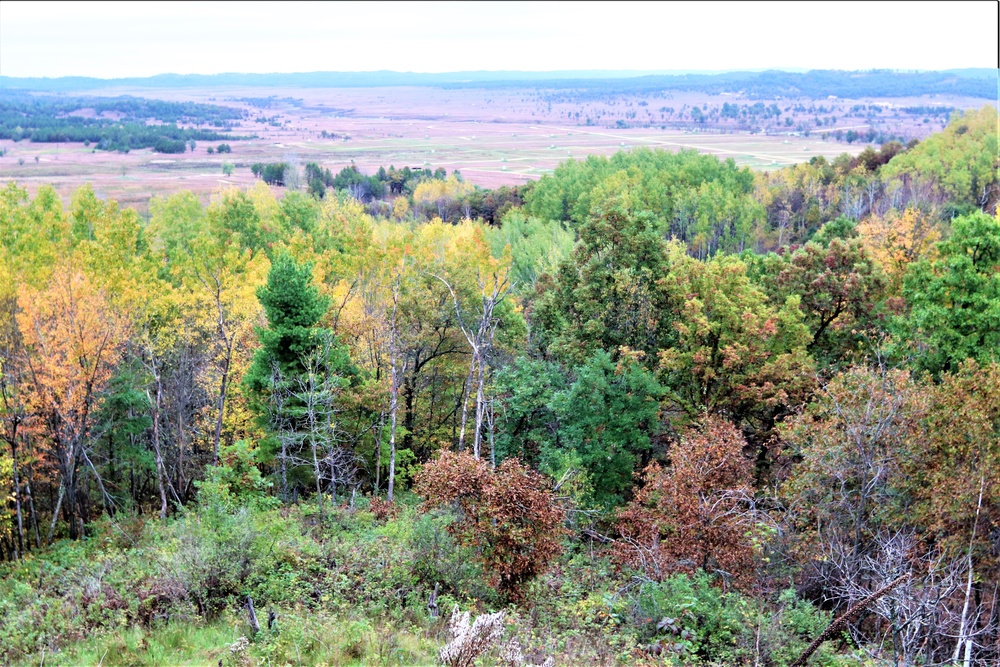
x=351, y=587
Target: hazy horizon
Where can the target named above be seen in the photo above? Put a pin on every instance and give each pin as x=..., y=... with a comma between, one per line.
x=529, y=74
x=137, y=40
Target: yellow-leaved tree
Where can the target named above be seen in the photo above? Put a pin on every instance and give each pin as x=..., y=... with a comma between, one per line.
x=73, y=339
x=897, y=239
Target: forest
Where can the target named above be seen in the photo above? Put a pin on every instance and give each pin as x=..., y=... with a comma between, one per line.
x=652, y=409
x=48, y=119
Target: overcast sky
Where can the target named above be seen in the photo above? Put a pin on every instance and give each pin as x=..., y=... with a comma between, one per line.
x=141, y=39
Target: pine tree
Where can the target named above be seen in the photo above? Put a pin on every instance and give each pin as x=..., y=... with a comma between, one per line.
x=297, y=376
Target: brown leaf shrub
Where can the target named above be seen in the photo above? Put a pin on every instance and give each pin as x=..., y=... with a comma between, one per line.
x=508, y=515
x=693, y=514
x=384, y=510
x=158, y=598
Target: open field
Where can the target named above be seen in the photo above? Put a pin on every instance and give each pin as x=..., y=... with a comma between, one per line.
x=494, y=137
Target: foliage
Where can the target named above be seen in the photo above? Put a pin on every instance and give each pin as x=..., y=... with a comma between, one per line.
x=954, y=299
x=604, y=296
x=211, y=402
x=896, y=475
x=733, y=354
x=507, y=515
x=949, y=467
x=839, y=288
x=691, y=197
x=897, y=240
x=607, y=418
x=961, y=161
x=695, y=622
x=695, y=514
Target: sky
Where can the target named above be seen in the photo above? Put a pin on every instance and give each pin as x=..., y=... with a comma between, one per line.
x=120, y=39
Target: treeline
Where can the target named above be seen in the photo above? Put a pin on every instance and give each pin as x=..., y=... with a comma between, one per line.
x=815, y=84
x=400, y=194
x=48, y=120
x=713, y=380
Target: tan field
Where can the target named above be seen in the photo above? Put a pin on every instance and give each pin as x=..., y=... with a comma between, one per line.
x=494, y=137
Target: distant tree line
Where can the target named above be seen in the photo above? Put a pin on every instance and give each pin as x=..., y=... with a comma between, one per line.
x=48, y=120
x=417, y=193
x=816, y=84
x=272, y=173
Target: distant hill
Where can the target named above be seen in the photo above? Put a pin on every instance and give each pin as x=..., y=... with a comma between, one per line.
x=813, y=84
x=976, y=72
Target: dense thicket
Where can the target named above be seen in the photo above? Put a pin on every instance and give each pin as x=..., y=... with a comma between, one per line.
x=667, y=405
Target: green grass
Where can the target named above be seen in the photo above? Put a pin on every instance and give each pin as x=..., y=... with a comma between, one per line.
x=301, y=639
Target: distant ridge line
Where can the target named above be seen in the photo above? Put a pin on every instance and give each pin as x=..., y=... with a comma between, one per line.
x=973, y=82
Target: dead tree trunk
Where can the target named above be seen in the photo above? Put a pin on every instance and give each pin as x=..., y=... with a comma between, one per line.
x=252, y=616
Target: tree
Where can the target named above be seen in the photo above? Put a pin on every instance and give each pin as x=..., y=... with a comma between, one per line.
x=508, y=515
x=733, y=354
x=605, y=296
x=950, y=467
x=607, y=418
x=896, y=240
x=892, y=475
x=696, y=513
x=219, y=283
x=954, y=300
x=283, y=375
x=73, y=339
x=839, y=289
x=493, y=288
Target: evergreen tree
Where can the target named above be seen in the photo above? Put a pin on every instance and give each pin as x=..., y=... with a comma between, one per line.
x=296, y=378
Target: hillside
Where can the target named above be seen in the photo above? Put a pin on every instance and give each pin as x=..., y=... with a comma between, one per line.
x=652, y=408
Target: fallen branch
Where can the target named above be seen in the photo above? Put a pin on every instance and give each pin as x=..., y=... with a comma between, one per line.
x=841, y=622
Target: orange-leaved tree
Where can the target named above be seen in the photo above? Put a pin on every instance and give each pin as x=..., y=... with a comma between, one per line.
x=695, y=513
x=507, y=514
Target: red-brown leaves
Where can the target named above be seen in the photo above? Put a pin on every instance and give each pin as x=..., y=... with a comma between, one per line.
x=508, y=515
x=692, y=515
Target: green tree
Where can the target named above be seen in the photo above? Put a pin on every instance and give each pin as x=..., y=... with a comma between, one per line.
x=297, y=373
x=954, y=300
x=605, y=296
x=606, y=420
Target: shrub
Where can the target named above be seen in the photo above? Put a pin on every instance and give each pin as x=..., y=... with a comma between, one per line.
x=508, y=515
x=689, y=617
x=692, y=515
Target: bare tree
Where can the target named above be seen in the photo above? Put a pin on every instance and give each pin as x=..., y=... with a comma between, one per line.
x=480, y=339
x=316, y=394
x=397, y=368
